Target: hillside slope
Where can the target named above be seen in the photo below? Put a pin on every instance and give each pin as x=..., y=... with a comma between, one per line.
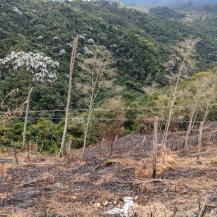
x=140, y=43
x=49, y=186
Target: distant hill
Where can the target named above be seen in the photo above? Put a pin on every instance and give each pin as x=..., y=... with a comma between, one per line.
x=140, y=43
x=155, y=3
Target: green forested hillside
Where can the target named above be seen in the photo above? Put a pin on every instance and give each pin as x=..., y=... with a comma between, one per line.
x=140, y=45
x=50, y=26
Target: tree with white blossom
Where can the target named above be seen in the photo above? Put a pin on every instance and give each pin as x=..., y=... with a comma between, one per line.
x=39, y=67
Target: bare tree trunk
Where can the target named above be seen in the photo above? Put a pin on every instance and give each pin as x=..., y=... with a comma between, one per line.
x=174, y=95
x=190, y=125
x=154, y=154
x=200, y=140
x=26, y=116
x=72, y=64
x=87, y=124
x=195, y=117
x=69, y=148
x=206, y=112
x=201, y=131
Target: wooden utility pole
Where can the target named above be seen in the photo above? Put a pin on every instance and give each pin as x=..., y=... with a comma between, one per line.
x=72, y=65
x=154, y=153
x=200, y=140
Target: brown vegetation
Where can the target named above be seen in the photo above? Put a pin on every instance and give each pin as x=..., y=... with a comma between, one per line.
x=48, y=186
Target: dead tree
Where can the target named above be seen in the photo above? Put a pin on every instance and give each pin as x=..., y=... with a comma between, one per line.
x=190, y=45
x=154, y=153
x=99, y=75
x=201, y=93
x=72, y=65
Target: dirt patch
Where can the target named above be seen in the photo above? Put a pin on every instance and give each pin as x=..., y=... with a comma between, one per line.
x=79, y=188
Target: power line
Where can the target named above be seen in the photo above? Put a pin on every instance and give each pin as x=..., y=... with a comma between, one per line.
x=127, y=108
x=107, y=119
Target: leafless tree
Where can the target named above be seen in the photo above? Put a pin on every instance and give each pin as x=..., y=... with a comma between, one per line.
x=185, y=49
x=202, y=92
x=99, y=75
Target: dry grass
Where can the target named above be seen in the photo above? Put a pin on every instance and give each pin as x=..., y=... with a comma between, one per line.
x=4, y=170
x=73, y=192
x=143, y=169
x=154, y=209
x=166, y=160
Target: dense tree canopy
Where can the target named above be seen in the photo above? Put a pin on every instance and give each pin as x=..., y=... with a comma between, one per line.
x=140, y=45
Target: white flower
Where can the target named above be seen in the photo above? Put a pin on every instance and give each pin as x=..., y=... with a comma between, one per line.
x=40, y=66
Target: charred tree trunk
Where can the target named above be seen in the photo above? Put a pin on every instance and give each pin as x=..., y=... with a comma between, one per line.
x=154, y=154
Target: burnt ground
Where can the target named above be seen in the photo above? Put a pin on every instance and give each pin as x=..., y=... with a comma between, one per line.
x=49, y=186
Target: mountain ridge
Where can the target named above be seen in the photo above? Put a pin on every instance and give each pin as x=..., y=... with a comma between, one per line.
x=155, y=3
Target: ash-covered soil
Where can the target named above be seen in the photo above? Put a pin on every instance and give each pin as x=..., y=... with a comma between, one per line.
x=49, y=186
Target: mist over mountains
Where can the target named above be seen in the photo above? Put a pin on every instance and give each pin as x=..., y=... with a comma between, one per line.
x=154, y=3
